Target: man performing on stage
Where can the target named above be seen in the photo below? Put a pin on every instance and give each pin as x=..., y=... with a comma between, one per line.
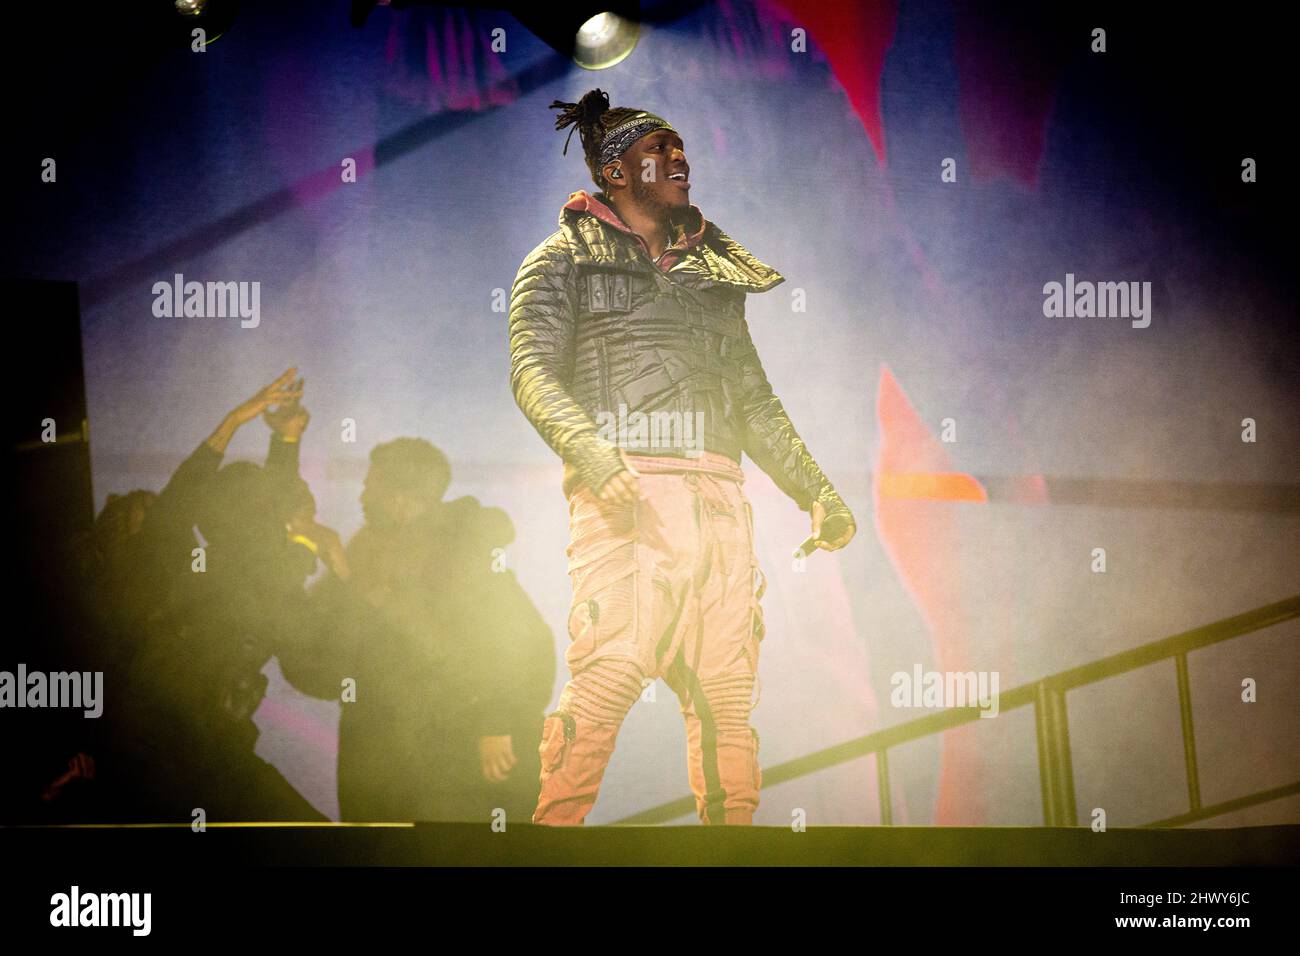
x=631, y=357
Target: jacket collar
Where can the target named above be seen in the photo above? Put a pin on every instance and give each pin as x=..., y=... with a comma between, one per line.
x=583, y=201
x=701, y=248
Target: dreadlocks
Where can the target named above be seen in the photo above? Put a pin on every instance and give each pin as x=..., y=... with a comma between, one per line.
x=605, y=133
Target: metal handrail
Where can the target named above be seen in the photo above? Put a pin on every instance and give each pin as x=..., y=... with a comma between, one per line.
x=1047, y=695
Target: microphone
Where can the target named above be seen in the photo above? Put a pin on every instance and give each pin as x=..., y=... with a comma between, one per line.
x=832, y=529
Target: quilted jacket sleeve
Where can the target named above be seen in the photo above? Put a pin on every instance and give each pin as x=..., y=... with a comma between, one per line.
x=774, y=445
x=542, y=329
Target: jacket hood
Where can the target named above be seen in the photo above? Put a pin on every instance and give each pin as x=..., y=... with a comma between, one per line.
x=706, y=251
x=688, y=235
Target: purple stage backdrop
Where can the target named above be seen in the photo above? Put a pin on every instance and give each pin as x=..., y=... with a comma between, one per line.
x=919, y=177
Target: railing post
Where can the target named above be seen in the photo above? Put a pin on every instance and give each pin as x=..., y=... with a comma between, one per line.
x=1189, y=738
x=1046, y=772
x=1069, y=815
x=882, y=780
x=1055, y=769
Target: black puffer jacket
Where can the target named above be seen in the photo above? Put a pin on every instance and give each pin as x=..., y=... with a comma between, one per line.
x=595, y=325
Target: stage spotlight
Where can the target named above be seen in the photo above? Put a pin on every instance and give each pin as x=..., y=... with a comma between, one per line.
x=604, y=40
x=214, y=17
x=594, y=35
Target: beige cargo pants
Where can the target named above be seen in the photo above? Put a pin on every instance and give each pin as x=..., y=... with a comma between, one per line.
x=668, y=587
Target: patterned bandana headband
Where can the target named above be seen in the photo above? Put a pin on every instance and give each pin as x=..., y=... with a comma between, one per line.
x=601, y=146
x=618, y=139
